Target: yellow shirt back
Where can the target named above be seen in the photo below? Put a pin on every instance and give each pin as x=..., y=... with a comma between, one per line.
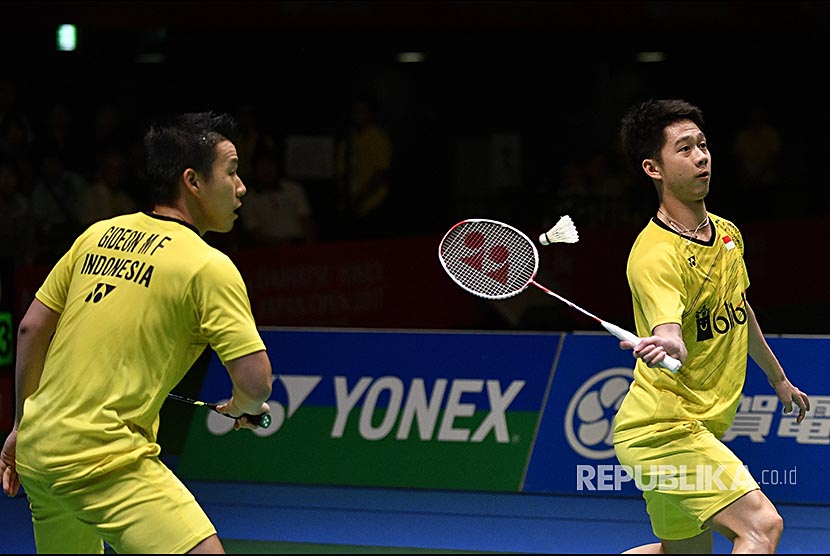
x=140, y=297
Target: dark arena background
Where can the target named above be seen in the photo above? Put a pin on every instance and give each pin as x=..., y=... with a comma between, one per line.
x=511, y=113
x=499, y=110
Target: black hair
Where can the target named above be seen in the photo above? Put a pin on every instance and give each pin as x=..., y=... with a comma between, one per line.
x=642, y=128
x=185, y=141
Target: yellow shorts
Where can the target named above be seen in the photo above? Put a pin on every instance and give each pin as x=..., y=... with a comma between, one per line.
x=142, y=508
x=686, y=475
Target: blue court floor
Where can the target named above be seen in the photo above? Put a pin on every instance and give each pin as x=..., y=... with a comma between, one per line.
x=437, y=520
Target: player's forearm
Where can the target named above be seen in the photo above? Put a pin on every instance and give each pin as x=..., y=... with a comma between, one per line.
x=251, y=377
x=760, y=351
x=27, y=378
x=672, y=340
x=33, y=338
x=247, y=401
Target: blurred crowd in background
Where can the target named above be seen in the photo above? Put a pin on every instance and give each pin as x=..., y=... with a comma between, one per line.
x=365, y=121
x=64, y=166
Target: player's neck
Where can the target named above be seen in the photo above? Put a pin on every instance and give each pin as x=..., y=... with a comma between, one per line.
x=171, y=212
x=687, y=216
x=688, y=221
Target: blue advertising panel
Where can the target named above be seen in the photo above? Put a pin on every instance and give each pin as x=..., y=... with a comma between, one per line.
x=787, y=459
x=506, y=356
x=574, y=452
x=574, y=449
x=441, y=410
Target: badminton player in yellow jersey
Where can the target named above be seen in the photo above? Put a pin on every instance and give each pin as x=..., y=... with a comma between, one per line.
x=689, y=288
x=115, y=326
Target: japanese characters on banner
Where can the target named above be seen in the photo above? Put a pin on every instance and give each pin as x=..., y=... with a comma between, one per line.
x=574, y=451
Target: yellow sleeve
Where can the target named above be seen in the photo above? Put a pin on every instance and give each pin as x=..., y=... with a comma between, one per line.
x=221, y=298
x=55, y=289
x=657, y=288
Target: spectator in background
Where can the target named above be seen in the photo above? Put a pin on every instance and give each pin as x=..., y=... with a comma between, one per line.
x=757, y=149
x=54, y=204
x=109, y=129
x=17, y=134
x=363, y=162
x=57, y=132
x=573, y=193
x=137, y=183
x=17, y=232
x=277, y=209
x=252, y=139
x=17, y=137
x=607, y=188
x=108, y=195
x=18, y=145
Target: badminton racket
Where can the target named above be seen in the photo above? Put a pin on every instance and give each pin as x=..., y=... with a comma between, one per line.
x=494, y=260
x=263, y=420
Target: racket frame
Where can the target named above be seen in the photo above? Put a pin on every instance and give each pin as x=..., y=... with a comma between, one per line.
x=502, y=225
x=668, y=362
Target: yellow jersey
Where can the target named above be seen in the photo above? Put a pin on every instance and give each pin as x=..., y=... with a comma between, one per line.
x=702, y=287
x=140, y=297
x=369, y=152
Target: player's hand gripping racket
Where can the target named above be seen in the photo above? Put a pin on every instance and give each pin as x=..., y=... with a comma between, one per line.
x=263, y=420
x=493, y=260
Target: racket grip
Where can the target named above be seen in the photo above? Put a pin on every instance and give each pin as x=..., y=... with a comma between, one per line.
x=668, y=361
x=263, y=420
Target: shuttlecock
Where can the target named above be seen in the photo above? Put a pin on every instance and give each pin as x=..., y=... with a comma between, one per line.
x=563, y=231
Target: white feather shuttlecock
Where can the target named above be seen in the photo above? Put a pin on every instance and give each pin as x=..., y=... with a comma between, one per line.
x=563, y=231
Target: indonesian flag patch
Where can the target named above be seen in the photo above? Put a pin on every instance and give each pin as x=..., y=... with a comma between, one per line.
x=729, y=243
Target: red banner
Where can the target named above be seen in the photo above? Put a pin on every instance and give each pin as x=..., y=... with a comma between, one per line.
x=399, y=283
x=375, y=284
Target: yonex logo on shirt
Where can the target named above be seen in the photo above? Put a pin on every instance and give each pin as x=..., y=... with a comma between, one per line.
x=101, y=291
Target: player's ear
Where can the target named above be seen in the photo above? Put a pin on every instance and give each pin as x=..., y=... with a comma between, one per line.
x=191, y=180
x=652, y=169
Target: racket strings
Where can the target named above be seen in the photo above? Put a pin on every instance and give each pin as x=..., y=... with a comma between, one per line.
x=489, y=259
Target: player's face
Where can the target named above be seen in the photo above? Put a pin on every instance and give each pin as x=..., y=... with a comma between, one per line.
x=687, y=164
x=223, y=190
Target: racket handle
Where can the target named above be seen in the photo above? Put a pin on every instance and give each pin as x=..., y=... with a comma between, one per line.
x=263, y=420
x=668, y=361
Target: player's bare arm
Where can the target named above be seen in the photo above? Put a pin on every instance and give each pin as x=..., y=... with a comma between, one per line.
x=34, y=335
x=762, y=354
x=251, y=377
x=666, y=339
